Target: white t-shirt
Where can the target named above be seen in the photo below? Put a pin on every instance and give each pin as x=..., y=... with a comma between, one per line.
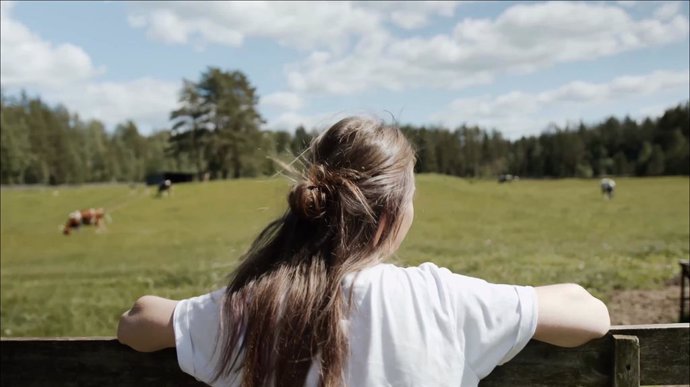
x=416, y=326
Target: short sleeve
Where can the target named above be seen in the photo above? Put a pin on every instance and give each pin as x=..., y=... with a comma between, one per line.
x=196, y=322
x=494, y=321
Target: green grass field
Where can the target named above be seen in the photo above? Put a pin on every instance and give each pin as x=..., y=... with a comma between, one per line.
x=529, y=232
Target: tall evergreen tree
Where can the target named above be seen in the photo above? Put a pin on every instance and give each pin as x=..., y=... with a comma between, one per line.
x=231, y=103
x=190, y=131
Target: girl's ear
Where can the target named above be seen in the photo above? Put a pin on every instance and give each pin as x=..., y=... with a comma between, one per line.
x=383, y=221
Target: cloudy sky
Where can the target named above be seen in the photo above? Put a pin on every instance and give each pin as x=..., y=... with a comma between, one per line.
x=511, y=66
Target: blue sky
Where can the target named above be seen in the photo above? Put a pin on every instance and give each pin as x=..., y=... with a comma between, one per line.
x=512, y=66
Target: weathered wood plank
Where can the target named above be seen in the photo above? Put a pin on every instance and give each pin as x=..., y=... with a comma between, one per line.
x=86, y=362
x=545, y=365
x=626, y=368
x=664, y=359
x=664, y=352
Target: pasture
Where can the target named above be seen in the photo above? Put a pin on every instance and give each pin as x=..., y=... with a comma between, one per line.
x=528, y=232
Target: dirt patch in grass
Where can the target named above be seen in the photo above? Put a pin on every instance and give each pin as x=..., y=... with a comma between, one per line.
x=661, y=306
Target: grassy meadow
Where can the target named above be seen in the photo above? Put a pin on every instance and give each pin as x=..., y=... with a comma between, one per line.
x=528, y=232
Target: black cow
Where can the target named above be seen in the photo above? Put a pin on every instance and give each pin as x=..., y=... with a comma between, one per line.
x=164, y=188
x=607, y=187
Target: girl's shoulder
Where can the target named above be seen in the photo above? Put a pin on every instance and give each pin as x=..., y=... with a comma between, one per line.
x=424, y=271
x=393, y=278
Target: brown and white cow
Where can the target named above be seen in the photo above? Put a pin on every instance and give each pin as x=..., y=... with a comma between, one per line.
x=89, y=217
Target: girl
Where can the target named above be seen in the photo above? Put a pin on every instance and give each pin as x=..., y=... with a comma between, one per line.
x=314, y=303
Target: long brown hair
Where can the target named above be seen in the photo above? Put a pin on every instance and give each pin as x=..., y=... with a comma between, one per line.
x=284, y=304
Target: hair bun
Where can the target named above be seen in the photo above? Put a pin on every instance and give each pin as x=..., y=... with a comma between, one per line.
x=308, y=200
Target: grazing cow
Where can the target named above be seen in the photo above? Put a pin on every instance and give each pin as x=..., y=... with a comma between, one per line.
x=91, y=217
x=607, y=187
x=164, y=188
x=507, y=178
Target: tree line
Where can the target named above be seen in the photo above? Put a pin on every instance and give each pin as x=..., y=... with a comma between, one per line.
x=216, y=132
x=619, y=147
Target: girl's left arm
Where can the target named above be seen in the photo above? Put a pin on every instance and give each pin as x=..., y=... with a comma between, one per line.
x=148, y=325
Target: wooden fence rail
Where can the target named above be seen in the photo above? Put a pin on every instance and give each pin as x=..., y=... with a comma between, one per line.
x=627, y=356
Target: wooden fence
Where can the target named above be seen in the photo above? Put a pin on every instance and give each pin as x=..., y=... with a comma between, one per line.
x=627, y=356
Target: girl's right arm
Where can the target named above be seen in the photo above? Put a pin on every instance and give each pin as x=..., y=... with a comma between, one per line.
x=569, y=316
x=148, y=325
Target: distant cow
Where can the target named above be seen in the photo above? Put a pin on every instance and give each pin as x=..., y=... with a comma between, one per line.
x=507, y=178
x=607, y=187
x=164, y=188
x=90, y=217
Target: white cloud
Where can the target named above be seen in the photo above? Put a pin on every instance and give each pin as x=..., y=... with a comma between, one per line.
x=289, y=121
x=6, y=6
x=517, y=113
x=28, y=60
x=653, y=110
x=282, y=100
x=146, y=101
x=620, y=87
x=627, y=4
x=668, y=10
x=305, y=25
x=410, y=14
x=524, y=38
x=408, y=20
x=352, y=51
x=64, y=73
